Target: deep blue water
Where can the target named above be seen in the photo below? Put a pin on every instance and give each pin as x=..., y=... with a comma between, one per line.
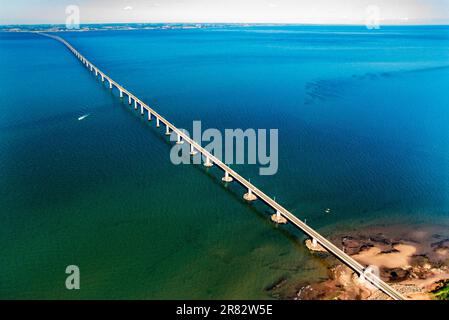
x=362, y=118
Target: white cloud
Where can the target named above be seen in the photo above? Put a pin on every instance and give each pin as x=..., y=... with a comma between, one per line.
x=127, y=8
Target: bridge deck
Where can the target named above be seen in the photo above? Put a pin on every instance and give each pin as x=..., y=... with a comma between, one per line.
x=329, y=246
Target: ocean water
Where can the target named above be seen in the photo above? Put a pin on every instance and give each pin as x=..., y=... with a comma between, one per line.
x=362, y=118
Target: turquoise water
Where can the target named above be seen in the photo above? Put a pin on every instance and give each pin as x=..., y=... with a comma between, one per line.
x=362, y=118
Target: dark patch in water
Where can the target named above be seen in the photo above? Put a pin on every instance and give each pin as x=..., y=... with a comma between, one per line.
x=321, y=90
x=276, y=284
x=324, y=89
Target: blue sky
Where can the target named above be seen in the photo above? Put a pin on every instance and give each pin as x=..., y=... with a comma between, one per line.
x=246, y=11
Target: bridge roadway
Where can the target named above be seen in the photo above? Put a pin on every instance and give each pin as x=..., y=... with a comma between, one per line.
x=210, y=159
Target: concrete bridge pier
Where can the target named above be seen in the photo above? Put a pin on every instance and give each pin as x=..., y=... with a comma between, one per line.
x=96, y=72
x=192, y=150
x=227, y=177
x=141, y=107
x=157, y=123
x=208, y=163
x=121, y=94
x=129, y=101
x=149, y=115
x=110, y=85
x=361, y=277
x=249, y=196
x=179, y=141
x=313, y=245
x=102, y=78
x=278, y=218
x=167, y=130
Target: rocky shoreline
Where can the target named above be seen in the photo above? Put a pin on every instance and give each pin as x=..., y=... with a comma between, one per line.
x=415, y=261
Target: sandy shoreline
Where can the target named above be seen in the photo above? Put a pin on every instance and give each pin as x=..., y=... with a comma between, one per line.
x=415, y=261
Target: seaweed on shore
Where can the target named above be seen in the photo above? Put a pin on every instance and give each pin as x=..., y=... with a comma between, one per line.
x=442, y=291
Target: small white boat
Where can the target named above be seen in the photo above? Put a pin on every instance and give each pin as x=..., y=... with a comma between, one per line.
x=83, y=117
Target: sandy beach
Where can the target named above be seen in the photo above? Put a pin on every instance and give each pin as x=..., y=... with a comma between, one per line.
x=415, y=261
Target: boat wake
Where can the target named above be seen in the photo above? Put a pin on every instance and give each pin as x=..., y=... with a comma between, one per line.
x=83, y=117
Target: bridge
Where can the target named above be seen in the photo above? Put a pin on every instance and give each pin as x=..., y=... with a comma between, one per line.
x=253, y=193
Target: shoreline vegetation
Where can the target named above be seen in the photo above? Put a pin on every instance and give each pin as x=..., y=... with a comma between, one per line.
x=119, y=26
x=415, y=261
x=101, y=27
x=160, y=26
x=442, y=291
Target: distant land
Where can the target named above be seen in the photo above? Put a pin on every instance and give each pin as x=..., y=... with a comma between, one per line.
x=114, y=26
x=155, y=26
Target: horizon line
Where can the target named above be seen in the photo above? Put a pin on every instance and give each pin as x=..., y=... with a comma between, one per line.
x=234, y=23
